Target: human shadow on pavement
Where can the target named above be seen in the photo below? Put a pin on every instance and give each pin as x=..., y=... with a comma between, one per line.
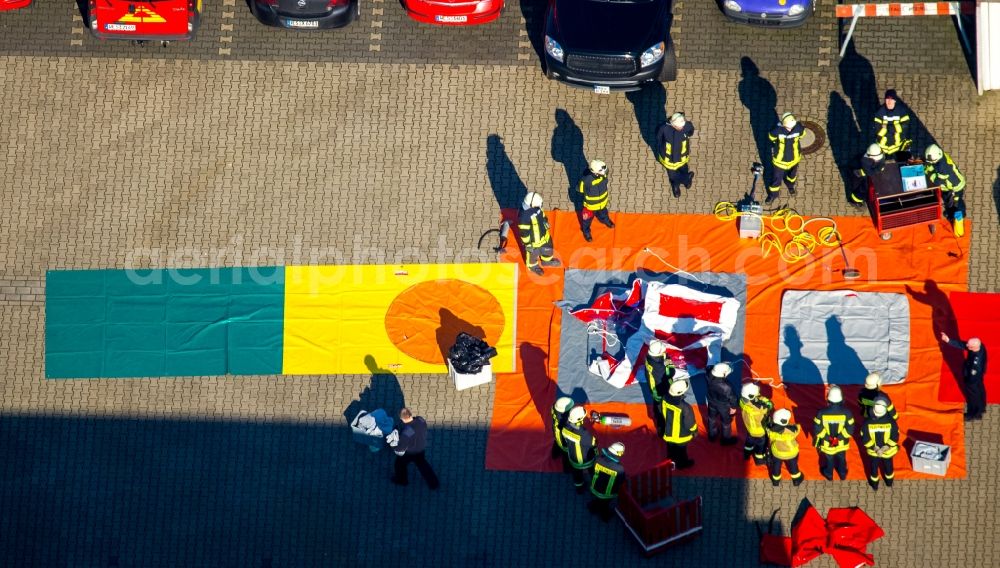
x=857, y=79
x=451, y=326
x=846, y=365
x=845, y=140
x=383, y=391
x=943, y=320
x=533, y=12
x=758, y=96
x=567, y=149
x=649, y=105
x=508, y=189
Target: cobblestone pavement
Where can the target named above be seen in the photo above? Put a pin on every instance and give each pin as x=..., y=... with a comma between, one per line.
x=387, y=143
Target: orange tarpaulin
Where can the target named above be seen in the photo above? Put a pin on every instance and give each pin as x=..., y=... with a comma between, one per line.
x=914, y=261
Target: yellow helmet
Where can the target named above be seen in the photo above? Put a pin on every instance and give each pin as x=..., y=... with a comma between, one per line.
x=933, y=153
x=788, y=120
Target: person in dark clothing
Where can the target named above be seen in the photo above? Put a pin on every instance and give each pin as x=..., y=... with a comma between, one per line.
x=580, y=444
x=534, y=231
x=410, y=447
x=833, y=427
x=660, y=373
x=866, y=396
x=560, y=412
x=679, y=426
x=972, y=373
x=893, y=132
x=608, y=477
x=880, y=436
x=722, y=404
x=674, y=151
x=786, y=153
x=872, y=163
x=593, y=187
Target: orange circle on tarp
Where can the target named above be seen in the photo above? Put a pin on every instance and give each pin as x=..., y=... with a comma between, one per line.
x=424, y=320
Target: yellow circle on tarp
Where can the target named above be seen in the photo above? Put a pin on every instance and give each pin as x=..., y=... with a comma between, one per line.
x=424, y=320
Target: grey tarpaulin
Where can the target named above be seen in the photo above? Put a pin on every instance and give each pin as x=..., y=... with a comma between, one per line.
x=837, y=337
x=576, y=346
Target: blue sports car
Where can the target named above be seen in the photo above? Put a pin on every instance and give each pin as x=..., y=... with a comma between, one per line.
x=769, y=13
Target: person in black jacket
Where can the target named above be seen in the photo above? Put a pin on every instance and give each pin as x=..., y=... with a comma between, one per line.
x=972, y=373
x=674, y=151
x=580, y=444
x=593, y=188
x=609, y=474
x=410, y=447
x=722, y=404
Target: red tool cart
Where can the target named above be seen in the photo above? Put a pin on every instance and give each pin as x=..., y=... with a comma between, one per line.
x=653, y=515
x=899, y=196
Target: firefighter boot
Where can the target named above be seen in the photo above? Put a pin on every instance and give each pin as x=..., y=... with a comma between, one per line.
x=551, y=262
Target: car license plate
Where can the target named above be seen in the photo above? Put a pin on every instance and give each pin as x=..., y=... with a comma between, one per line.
x=452, y=19
x=602, y=90
x=302, y=23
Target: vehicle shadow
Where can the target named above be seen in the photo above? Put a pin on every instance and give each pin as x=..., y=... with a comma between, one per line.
x=508, y=189
x=533, y=12
x=845, y=136
x=649, y=105
x=758, y=96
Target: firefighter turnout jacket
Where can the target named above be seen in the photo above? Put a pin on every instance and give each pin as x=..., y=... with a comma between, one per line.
x=608, y=476
x=580, y=445
x=558, y=421
x=659, y=373
x=945, y=173
x=880, y=433
x=893, y=128
x=674, y=149
x=784, y=445
x=679, y=426
x=533, y=227
x=832, y=428
x=595, y=191
x=786, y=151
x=866, y=399
x=754, y=414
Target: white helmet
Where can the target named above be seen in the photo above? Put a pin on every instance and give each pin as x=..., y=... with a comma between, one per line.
x=875, y=151
x=533, y=199
x=782, y=416
x=788, y=120
x=873, y=380
x=750, y=391
x=721, y=370
x=598, y=167
x=657, y=347
x=678, y=120
x=617, y=449
x=678, y=388
x=835, y=395
x=880, y=406
x=577, y=415
x=563, y=404
x=933, y=153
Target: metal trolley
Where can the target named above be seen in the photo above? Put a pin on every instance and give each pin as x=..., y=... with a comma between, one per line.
x=650, y=512
x=893, y=206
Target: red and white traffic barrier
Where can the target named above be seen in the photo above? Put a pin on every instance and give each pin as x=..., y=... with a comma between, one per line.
x=893, y=9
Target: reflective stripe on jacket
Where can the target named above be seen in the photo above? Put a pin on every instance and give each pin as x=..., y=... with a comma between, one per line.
x=784, y=446
x=679, y=426
x=595, y=191
x=880, y=432
x=833, y=427
x=608, y=476
x=785, y=146
x=754, y=414
x=945, y=173
x=674, y=149
x=533, y=227
x=893, y=125
x=659, y=373
x=579, y=443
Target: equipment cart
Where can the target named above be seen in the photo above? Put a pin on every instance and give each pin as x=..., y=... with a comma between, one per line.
x=652, y=514
x=899, y=196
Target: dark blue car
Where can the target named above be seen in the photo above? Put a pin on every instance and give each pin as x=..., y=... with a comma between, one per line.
x=769, y=13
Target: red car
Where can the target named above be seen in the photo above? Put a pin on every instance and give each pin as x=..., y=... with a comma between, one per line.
x=155, y=20
x=454, y=12
x=13, y=4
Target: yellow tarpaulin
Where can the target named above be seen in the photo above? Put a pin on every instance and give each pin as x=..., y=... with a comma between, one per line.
x=402, y=318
